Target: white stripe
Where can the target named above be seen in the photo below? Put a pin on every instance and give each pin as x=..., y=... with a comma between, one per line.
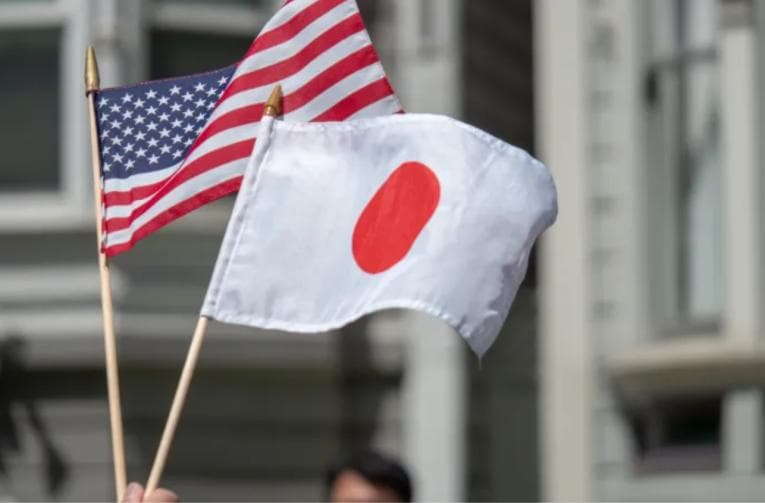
x=385, y=106
x=292, y=46
x=124, y=184
x=223, y=139
x=332, y=95
x=179, y=194
x=315, y=67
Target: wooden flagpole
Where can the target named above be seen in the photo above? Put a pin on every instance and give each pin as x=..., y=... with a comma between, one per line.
x=272, y=109
x=92, y=83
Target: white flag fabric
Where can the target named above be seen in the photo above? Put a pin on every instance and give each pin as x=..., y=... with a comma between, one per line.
x=338, y=220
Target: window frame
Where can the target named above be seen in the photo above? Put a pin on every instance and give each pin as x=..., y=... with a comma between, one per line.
x=69, y=205
x=667, y=56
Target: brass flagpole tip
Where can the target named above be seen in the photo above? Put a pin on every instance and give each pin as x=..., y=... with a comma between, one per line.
x=92, y=80
x=273, y=106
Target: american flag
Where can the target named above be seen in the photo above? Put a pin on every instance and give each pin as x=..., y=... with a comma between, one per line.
x=171, y=146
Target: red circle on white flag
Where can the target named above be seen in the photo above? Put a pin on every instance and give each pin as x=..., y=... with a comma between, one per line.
x=394, y=217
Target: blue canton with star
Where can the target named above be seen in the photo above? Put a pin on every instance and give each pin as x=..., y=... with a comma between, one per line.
x=151, y=126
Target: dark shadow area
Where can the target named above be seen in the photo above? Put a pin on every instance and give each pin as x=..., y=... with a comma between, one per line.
x=362, y=388
x=15, y=389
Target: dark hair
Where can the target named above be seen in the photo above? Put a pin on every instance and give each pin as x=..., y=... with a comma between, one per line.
x=375, y=468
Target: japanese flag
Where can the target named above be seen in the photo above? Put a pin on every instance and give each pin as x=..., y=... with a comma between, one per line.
x=337, y=220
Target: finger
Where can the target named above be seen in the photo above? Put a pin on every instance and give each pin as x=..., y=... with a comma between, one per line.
x=162, y=496
x=133, y=493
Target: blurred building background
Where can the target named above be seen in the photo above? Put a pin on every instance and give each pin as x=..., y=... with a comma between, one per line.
x=632, y=363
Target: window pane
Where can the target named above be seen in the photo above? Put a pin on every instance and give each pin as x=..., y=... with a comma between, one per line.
x=175, y=53
x=684, y=156
x=29, y=100
x=678, y=435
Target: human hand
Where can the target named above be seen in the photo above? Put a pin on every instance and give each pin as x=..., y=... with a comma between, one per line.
x=135, y=494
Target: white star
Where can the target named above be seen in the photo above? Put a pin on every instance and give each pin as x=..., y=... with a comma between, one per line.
x=188, y=142
x=139, y=103
x=118, y=157
x=151, y=126
x=116, y=141
x=103, y=101
x=222, y=81
x=151, y=110
x=164, y=149
x=140, y=135
x=164, y=100
x=127, y=131
x=188, y=113
x=201, y=102
x=127, y=114
x=106, y=133
x=116, y=123
x=140, y=119
x=164, y=133
x=107, y=166
x=106, y=149
x=153, y=159
x=201, y=117
x=177, y=123
x=151, y=94
x=175, y=90
x=130, y=164
x=189, y=128
x=127, y=98
x=177, y=138
x=115, y=108
x=199, y=87
x=210, y=105
x=211, y=92
x=141, y=152
x=129, y=147
x=175, y=107
x=177, y=154
x=153, y=142
x=188, y=96
x=163, y=117
x=104, y=118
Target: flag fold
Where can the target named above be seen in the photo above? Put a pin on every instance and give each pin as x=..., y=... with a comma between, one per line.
x=338, y=220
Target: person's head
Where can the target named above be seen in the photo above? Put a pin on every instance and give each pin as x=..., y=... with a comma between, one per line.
x=368, y=477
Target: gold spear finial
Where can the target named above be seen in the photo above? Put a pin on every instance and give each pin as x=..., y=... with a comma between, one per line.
x=92, y=81
x=274, y=104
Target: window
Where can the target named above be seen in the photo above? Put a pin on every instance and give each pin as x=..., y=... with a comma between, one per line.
x=43, y=128
x=683, y=108
x=30, y=144
x=678, y=435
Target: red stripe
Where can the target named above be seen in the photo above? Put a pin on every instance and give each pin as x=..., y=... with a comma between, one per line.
x=295, y=25
x=276, y=72
x=229, y=153
x=285, y=68
x=349, y=65
x=177, y=211
x=357, y=100
x=122, y=197
x=252, y=113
